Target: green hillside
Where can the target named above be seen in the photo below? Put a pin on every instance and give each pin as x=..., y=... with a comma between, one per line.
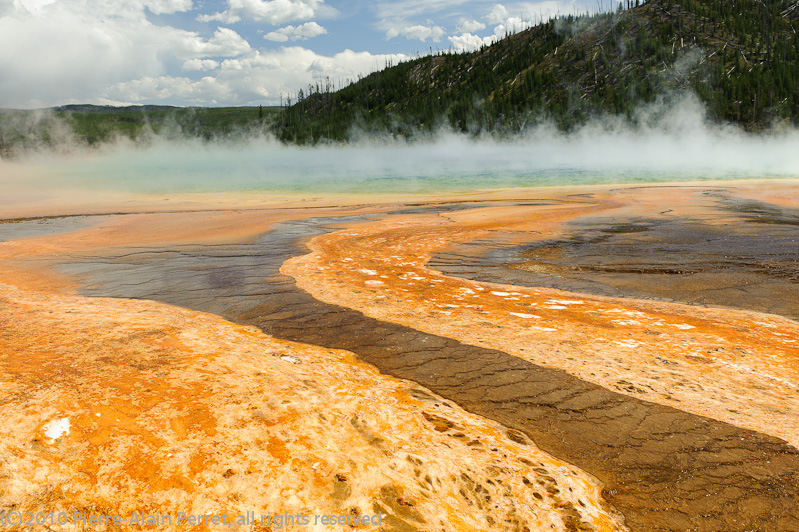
x=87, y=125
x=739, y=57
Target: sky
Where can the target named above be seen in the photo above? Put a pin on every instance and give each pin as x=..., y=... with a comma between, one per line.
x=232, y=52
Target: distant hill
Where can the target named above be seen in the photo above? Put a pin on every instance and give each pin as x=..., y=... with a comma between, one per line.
x=739, y=57
x=108, y=109
x=68, y=126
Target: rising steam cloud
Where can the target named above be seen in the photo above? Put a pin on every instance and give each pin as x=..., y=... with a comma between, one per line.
x=666, y=142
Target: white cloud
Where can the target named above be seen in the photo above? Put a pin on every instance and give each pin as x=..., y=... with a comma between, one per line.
x=6, y=6
x=511, y=25
x=349, y=64
x=257, y=77
x=296, y=33
x=391, y=11
x=467, y=25
x=207, y=90
x=547, y=9
x=31, y=6
x=271, y=11
x=535, y=12
x=224, y=43
x=419, y=32
x=470, y=16
x=225, y=17
x=466, y=42
x=404, y=17
x=497, y=15
x=168, y=6
x=71, y=50
x=200, y=65
x=530, y=14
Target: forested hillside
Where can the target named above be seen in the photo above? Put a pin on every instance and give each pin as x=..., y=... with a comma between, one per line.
x=87, y=125
x=740, y=57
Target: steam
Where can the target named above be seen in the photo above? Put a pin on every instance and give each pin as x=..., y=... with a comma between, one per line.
x=665, y=142
x=31, y=131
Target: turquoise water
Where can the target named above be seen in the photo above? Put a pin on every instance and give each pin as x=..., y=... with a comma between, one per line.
x=449, y=164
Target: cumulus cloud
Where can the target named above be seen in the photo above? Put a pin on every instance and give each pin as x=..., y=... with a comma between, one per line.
x=467, y=25
x=224, y=43
x=466, y=42
x=528, y=15
x=207, y=90
x=6, y=7
x=389, y=12
x=547, y=9
x=411, y=18
x=504, y=24
x=200, y=64
x=256, y=77
x=63, y=51
x=511, y=25
x=168, y=6
x=296, y=33
x=272, y=11
x=418, y=32
x=349, y=64
x=497, y=15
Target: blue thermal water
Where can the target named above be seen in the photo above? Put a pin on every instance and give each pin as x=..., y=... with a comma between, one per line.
x=449, y=164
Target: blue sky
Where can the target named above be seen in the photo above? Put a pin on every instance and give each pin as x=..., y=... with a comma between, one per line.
x=231, y=52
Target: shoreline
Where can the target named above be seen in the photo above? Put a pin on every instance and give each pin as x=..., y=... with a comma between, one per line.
x=75, y=202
